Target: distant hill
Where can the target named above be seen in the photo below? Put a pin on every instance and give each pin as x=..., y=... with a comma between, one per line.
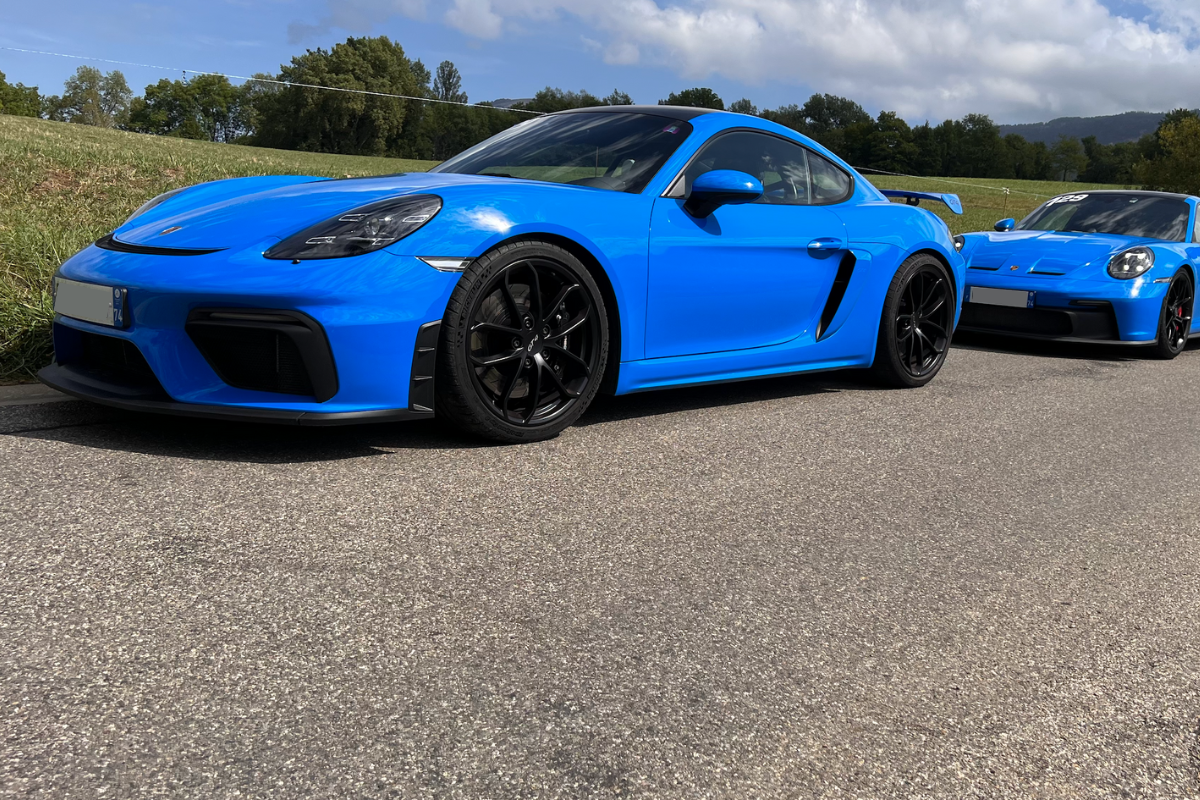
x=1127, y=127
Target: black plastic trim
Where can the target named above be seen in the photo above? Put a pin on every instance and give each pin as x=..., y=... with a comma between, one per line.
x=836, y=293
x=304, y=331
x=110, y=242
x=1088, y=321
x=424, y=365
x=68, y=381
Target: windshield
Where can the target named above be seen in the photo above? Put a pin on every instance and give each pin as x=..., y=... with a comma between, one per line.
x=615, y=151
x=1143, y=215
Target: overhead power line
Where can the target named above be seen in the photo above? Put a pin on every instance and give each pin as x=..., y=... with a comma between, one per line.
x=267, y=80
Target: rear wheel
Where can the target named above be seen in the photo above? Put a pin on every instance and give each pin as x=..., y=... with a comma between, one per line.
x=915, y=329
x=1175, y=323
x=523, y=346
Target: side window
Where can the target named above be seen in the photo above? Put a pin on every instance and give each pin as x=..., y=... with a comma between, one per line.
x=1196, y=233
x=829, y=183
x=781, y=166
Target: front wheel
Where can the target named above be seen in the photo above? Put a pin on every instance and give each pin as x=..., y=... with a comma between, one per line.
x=1175, y=322
x=523, y=346
x=916, y=325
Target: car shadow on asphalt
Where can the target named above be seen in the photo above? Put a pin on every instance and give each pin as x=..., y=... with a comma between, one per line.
x=86, y=425
x=718, y=395
x=98, y=427
x=1064, y=350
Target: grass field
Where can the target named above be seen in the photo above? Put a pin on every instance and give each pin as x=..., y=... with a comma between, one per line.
x=63, y=186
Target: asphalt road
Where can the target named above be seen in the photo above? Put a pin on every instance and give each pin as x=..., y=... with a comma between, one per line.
x=800, y=588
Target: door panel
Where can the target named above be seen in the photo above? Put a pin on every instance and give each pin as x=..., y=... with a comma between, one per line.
x=743, y=277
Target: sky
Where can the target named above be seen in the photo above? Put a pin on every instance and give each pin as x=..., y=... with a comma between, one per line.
x=1015, y=60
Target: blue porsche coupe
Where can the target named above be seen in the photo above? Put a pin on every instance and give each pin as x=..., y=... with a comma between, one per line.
x=615, y=249
x=1098, y=266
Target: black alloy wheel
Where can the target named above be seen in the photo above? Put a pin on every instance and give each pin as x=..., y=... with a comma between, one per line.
x=917, y=323
x=525, y=340
x=1175, y=323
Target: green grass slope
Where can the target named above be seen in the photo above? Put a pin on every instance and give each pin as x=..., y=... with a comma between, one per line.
x=63, y=186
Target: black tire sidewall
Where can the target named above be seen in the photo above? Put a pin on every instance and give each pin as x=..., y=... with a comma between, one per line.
x=887, y=366
x=456, y=395
x=1162, y=346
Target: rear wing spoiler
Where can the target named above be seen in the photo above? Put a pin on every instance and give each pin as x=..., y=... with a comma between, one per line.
x=914, y=198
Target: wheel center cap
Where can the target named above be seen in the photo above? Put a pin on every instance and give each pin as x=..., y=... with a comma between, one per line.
x=533, y=345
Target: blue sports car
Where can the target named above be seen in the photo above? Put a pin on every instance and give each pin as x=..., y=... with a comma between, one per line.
x=616, y=249
x=1102, y=266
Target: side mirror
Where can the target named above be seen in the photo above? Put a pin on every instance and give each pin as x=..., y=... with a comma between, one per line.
x=721, y=187
x=1006, y=225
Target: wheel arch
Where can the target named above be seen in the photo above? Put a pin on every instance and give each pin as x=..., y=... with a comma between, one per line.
x=608, y=383
x=929, y=251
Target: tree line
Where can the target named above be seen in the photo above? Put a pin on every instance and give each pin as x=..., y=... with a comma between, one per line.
x=285, y=110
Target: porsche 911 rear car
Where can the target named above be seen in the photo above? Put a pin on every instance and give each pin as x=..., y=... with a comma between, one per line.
x=1109, y=266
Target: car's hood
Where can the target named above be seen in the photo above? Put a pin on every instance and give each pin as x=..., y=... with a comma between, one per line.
x=240, y=212
x=1046, y=252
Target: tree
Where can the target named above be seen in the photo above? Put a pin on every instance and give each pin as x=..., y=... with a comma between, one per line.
x=91, y=97
x=890, y=145
x=304, y=118
x=791, y=116
x=549, y=100
x=699, y=97
x=827, y=112
x=1177, y=169
x=18, y=99
x=618, y=98
x=1068, y=158
x=205, y=107
x=743, y=106
x=447, y=85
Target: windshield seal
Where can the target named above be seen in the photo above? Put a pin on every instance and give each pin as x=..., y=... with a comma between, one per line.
x=613, y=151
x=1133, y=214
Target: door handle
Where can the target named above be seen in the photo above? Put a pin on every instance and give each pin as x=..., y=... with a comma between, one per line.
x=825, y=245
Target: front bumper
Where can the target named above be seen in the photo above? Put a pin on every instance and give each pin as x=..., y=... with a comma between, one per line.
x=1110, y=311
x=363, y=353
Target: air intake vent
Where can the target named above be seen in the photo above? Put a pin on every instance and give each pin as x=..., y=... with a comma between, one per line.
x=115, y=360
x=285, y=352
x=836, y=293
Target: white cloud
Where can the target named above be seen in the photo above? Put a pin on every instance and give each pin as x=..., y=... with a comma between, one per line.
x=1018, y=59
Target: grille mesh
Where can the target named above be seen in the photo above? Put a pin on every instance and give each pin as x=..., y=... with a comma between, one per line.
x=254, y=358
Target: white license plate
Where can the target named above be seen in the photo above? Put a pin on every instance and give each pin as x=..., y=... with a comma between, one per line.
x=90, y=302
x=1013, y=298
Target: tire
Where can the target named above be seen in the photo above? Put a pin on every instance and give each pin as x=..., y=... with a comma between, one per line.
x=911, y=348
x=1175, y=319
x=523, y=344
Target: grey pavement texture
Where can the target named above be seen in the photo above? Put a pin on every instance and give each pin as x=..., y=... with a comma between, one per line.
x=798, y=588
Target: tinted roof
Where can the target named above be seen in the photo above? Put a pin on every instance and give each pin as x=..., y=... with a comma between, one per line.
x=671, y=112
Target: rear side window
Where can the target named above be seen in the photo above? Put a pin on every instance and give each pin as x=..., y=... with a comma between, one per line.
x=1196, y=233
x=829, y=183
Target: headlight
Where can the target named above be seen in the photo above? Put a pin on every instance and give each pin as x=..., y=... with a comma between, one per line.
x=959, y=242
x=1131, y=263
x=362, y=230
x=149, y=204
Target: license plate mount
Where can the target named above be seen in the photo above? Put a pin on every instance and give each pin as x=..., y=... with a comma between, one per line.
x=91, y=302
x=1010, y=298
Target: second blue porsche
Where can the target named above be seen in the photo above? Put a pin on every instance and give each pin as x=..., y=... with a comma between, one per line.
x=619, y=249
x=1098, y=266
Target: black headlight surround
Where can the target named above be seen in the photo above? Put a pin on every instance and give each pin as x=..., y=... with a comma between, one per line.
x=359, y=231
